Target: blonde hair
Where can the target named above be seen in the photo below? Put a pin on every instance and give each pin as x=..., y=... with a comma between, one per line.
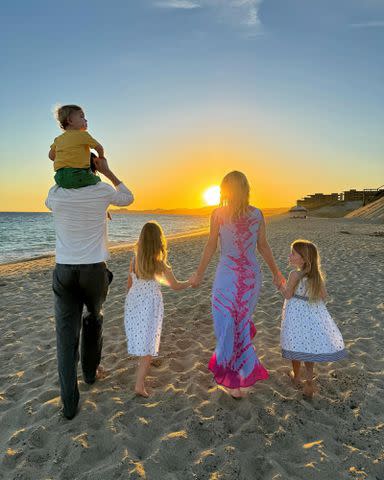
x=151, y=251
x=63, y=113
x=311, y=268
x=234, y=193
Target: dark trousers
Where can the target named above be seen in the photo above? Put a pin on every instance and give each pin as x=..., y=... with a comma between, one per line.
x=74, y=287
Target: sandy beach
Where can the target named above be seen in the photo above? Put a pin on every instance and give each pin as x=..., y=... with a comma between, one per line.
x=189, y=428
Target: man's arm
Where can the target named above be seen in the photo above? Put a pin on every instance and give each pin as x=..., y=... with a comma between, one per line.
x=100, y=150
x=122, y=196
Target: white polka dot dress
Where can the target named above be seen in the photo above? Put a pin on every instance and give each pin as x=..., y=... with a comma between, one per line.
x=143, y=317
x=308, y=332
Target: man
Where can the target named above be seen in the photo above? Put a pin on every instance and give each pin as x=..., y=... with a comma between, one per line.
x=81, y=277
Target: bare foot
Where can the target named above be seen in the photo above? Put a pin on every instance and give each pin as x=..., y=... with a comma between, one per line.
x=235, y=393
x=100, y=373
x=244, y=391
x=296, y=381
x=309, y=389
x=141, y=392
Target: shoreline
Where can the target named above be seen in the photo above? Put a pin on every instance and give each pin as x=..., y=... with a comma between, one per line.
x=113, y=246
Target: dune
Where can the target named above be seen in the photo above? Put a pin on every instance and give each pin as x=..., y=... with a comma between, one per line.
x=373, y=211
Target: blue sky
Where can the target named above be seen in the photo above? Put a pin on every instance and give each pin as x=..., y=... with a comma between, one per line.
x=297, y=84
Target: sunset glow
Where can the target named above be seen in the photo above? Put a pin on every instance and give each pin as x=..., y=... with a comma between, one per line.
x=212, y=195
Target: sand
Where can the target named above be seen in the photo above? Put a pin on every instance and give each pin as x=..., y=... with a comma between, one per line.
x=189, y=428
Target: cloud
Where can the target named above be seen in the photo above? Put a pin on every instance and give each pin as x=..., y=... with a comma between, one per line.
x=249, y=9
x=243, y=13
x=178, y=4
x=371, y=24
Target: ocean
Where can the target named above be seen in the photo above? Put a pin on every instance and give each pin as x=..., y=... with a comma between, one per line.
x=30, y=235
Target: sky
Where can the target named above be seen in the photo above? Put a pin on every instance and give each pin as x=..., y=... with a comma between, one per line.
x=180, y=92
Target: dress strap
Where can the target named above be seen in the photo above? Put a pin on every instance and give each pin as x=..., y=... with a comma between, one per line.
x=301, y=297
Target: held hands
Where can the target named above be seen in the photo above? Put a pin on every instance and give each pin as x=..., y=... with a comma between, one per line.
x=279, y=280
x=195, y=280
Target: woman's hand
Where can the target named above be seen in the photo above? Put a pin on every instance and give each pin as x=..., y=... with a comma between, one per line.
x=195, y=280
x=279, y=280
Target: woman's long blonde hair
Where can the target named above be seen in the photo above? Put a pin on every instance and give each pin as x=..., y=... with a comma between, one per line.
x=234, y=193
x=311, y=268
x=151, y=251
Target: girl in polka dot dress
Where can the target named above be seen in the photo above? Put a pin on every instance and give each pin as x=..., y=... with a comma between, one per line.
x=143, y=316
x=308, y=332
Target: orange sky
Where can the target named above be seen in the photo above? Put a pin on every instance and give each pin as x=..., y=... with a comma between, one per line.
x=175, y=175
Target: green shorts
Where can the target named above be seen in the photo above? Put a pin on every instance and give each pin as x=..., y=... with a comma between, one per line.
x=75, y=177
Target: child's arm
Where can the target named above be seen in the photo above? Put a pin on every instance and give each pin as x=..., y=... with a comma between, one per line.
x=52, y=153
x=288, y=289
x=173, y=282
x=129, y=281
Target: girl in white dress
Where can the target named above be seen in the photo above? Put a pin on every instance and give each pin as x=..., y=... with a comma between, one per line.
x=143, y=316
x=308, y=332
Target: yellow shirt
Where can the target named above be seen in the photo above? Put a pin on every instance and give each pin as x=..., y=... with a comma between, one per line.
x=72, y=149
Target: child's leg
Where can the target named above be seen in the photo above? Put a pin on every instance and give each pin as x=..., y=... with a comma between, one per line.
x=142, y=371
x=295, y=374
x=309, y=389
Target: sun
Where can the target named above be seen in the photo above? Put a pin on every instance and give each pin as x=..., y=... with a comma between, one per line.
x=212, y=195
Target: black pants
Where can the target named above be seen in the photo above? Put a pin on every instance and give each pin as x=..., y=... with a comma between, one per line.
x=76, y=286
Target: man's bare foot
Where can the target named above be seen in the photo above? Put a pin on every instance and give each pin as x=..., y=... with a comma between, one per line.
x=141, y=392
x=296, y=381
x=309, y=389
x=100, y=373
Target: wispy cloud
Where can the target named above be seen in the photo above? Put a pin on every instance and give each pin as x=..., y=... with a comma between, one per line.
x=179, y=4
x=372, y=24
x=243, y=13
x=249, y=9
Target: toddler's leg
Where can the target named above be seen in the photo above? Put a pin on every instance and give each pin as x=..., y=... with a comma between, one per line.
x=309, y=389
x=142, y=371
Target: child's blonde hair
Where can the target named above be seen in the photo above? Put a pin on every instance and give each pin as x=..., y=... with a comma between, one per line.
x=151, y=251
x=311, y=268
x=64, y=112
x=234, y=193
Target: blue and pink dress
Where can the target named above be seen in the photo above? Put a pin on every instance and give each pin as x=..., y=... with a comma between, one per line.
x=234, y=297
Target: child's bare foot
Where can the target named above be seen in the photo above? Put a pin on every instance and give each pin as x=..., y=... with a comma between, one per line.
x=296, y=381
x=309, y=389
x=141, y=392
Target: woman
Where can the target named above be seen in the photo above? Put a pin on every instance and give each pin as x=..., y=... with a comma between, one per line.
x=236, y=288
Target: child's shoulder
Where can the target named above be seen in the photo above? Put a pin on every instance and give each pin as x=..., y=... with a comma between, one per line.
x=295, y=275
x=59, y=137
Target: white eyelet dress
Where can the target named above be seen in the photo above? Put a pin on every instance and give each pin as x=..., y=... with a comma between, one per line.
x=308, y=332
x=143, y=317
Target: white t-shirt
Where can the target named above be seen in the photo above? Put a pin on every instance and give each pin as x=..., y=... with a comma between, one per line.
x=80, y=220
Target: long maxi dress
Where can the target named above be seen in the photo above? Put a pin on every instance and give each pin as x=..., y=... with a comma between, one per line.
x=236, y=289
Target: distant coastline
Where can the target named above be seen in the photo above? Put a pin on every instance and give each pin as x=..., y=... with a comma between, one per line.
x=204, y=211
